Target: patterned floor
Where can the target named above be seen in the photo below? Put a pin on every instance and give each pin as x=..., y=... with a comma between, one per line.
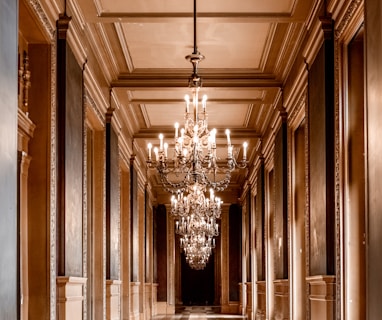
x=208, y=313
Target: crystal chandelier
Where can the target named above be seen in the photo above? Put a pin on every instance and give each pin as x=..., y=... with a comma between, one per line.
x=194, y=158
x=196, y=203
x=197, y=249
x=192, y=168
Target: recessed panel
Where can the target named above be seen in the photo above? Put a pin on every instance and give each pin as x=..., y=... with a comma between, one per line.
x=154, y=6
x=218, y=115
x=224, y=45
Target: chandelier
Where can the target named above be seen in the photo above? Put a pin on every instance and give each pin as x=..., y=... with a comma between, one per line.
x=196, y=223
x=197, y=249
x=196, y=203
x=192, y=168
x=194, y=158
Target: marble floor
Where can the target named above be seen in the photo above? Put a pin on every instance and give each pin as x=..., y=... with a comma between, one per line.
x=196, y=312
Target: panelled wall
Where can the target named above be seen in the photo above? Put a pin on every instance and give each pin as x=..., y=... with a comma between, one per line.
x=80, y=238
x=309, y=197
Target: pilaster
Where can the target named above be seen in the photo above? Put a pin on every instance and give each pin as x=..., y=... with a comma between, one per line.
x=113, y=294
x=70, y=297
x=322, y=290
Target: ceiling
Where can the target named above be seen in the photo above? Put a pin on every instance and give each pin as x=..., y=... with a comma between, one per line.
x=249, y=48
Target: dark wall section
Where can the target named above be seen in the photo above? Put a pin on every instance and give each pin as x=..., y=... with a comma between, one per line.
x=112, y=203
x=234, y=234
x=8, y=159
x=134, y=225
x=321, y=161
x=161, y=251
x=281, y=204
x=259, y=218
x=69, y=157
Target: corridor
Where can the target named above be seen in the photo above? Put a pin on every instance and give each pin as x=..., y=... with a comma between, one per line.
x=198, y=312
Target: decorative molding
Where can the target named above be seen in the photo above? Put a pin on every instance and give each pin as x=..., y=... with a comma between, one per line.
x=347, y=18
x=89, y=101
x=85, y=216
x=345, y=23
x=53, y=181
x=307, y=201
x=43, y=19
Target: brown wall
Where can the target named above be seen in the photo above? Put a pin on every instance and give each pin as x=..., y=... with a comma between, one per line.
x=281, y=212
x=321, y=161
x=374, y=175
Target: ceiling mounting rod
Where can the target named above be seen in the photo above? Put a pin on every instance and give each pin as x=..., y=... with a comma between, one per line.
x=195, y=47
x=195, y=57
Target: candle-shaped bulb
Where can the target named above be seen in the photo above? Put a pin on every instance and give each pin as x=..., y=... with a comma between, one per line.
x=149, y=146
x=156, y=154
x=245, y=145
x=227, y=132
x=230, y=148
x=187, y=98
x=204, y=102
x=176, y=125
x=165, y=149
x=213, y=135
x=161, y=141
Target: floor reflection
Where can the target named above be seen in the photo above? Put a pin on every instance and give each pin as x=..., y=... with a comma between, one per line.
x=196, y=312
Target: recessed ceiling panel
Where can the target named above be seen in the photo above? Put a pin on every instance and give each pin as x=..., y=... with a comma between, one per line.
x=228, y=94
x=218, y=115
x=165, y=45
x=155, y=6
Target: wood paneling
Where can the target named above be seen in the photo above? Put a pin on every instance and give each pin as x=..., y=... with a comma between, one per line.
x=234, y=234
x=260, y=227
x=373, y=20
x=321, y=158
x=112, y=204
x=281, y=210
x=70, y=159
x=161, y=251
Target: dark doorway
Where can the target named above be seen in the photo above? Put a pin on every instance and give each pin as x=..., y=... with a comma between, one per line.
x=198, y=286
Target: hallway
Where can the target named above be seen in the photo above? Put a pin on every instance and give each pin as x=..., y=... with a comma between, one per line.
x=198, y=312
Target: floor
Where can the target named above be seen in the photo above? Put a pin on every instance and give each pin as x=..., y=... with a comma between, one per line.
x=195, y=312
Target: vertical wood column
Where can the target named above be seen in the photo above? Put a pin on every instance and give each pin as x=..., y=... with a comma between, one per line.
x=260, y=242
x=322, y=180
x=125, y=243
x=373, y=18
x=280, y=230
x=298, y=256
x=69, y=178
x=134, y=243
x=8, y=160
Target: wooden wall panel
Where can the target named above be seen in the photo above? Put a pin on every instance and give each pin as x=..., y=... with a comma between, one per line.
x=373, y=20
x=112, y=204
x=280, y=236
x=70, y=160
x=161, y=251
x=74, y=166
x=234, y=236
x=134, y=225
x=260, y=227
x=321, y=162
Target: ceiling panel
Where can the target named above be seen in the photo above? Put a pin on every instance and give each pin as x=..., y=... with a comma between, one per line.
x=165, y=45
x=155, y=6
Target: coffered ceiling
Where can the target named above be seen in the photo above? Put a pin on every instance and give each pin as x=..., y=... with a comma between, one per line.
x=249, y=47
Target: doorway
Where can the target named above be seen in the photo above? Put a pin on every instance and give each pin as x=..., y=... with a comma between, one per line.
x=198, y=286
